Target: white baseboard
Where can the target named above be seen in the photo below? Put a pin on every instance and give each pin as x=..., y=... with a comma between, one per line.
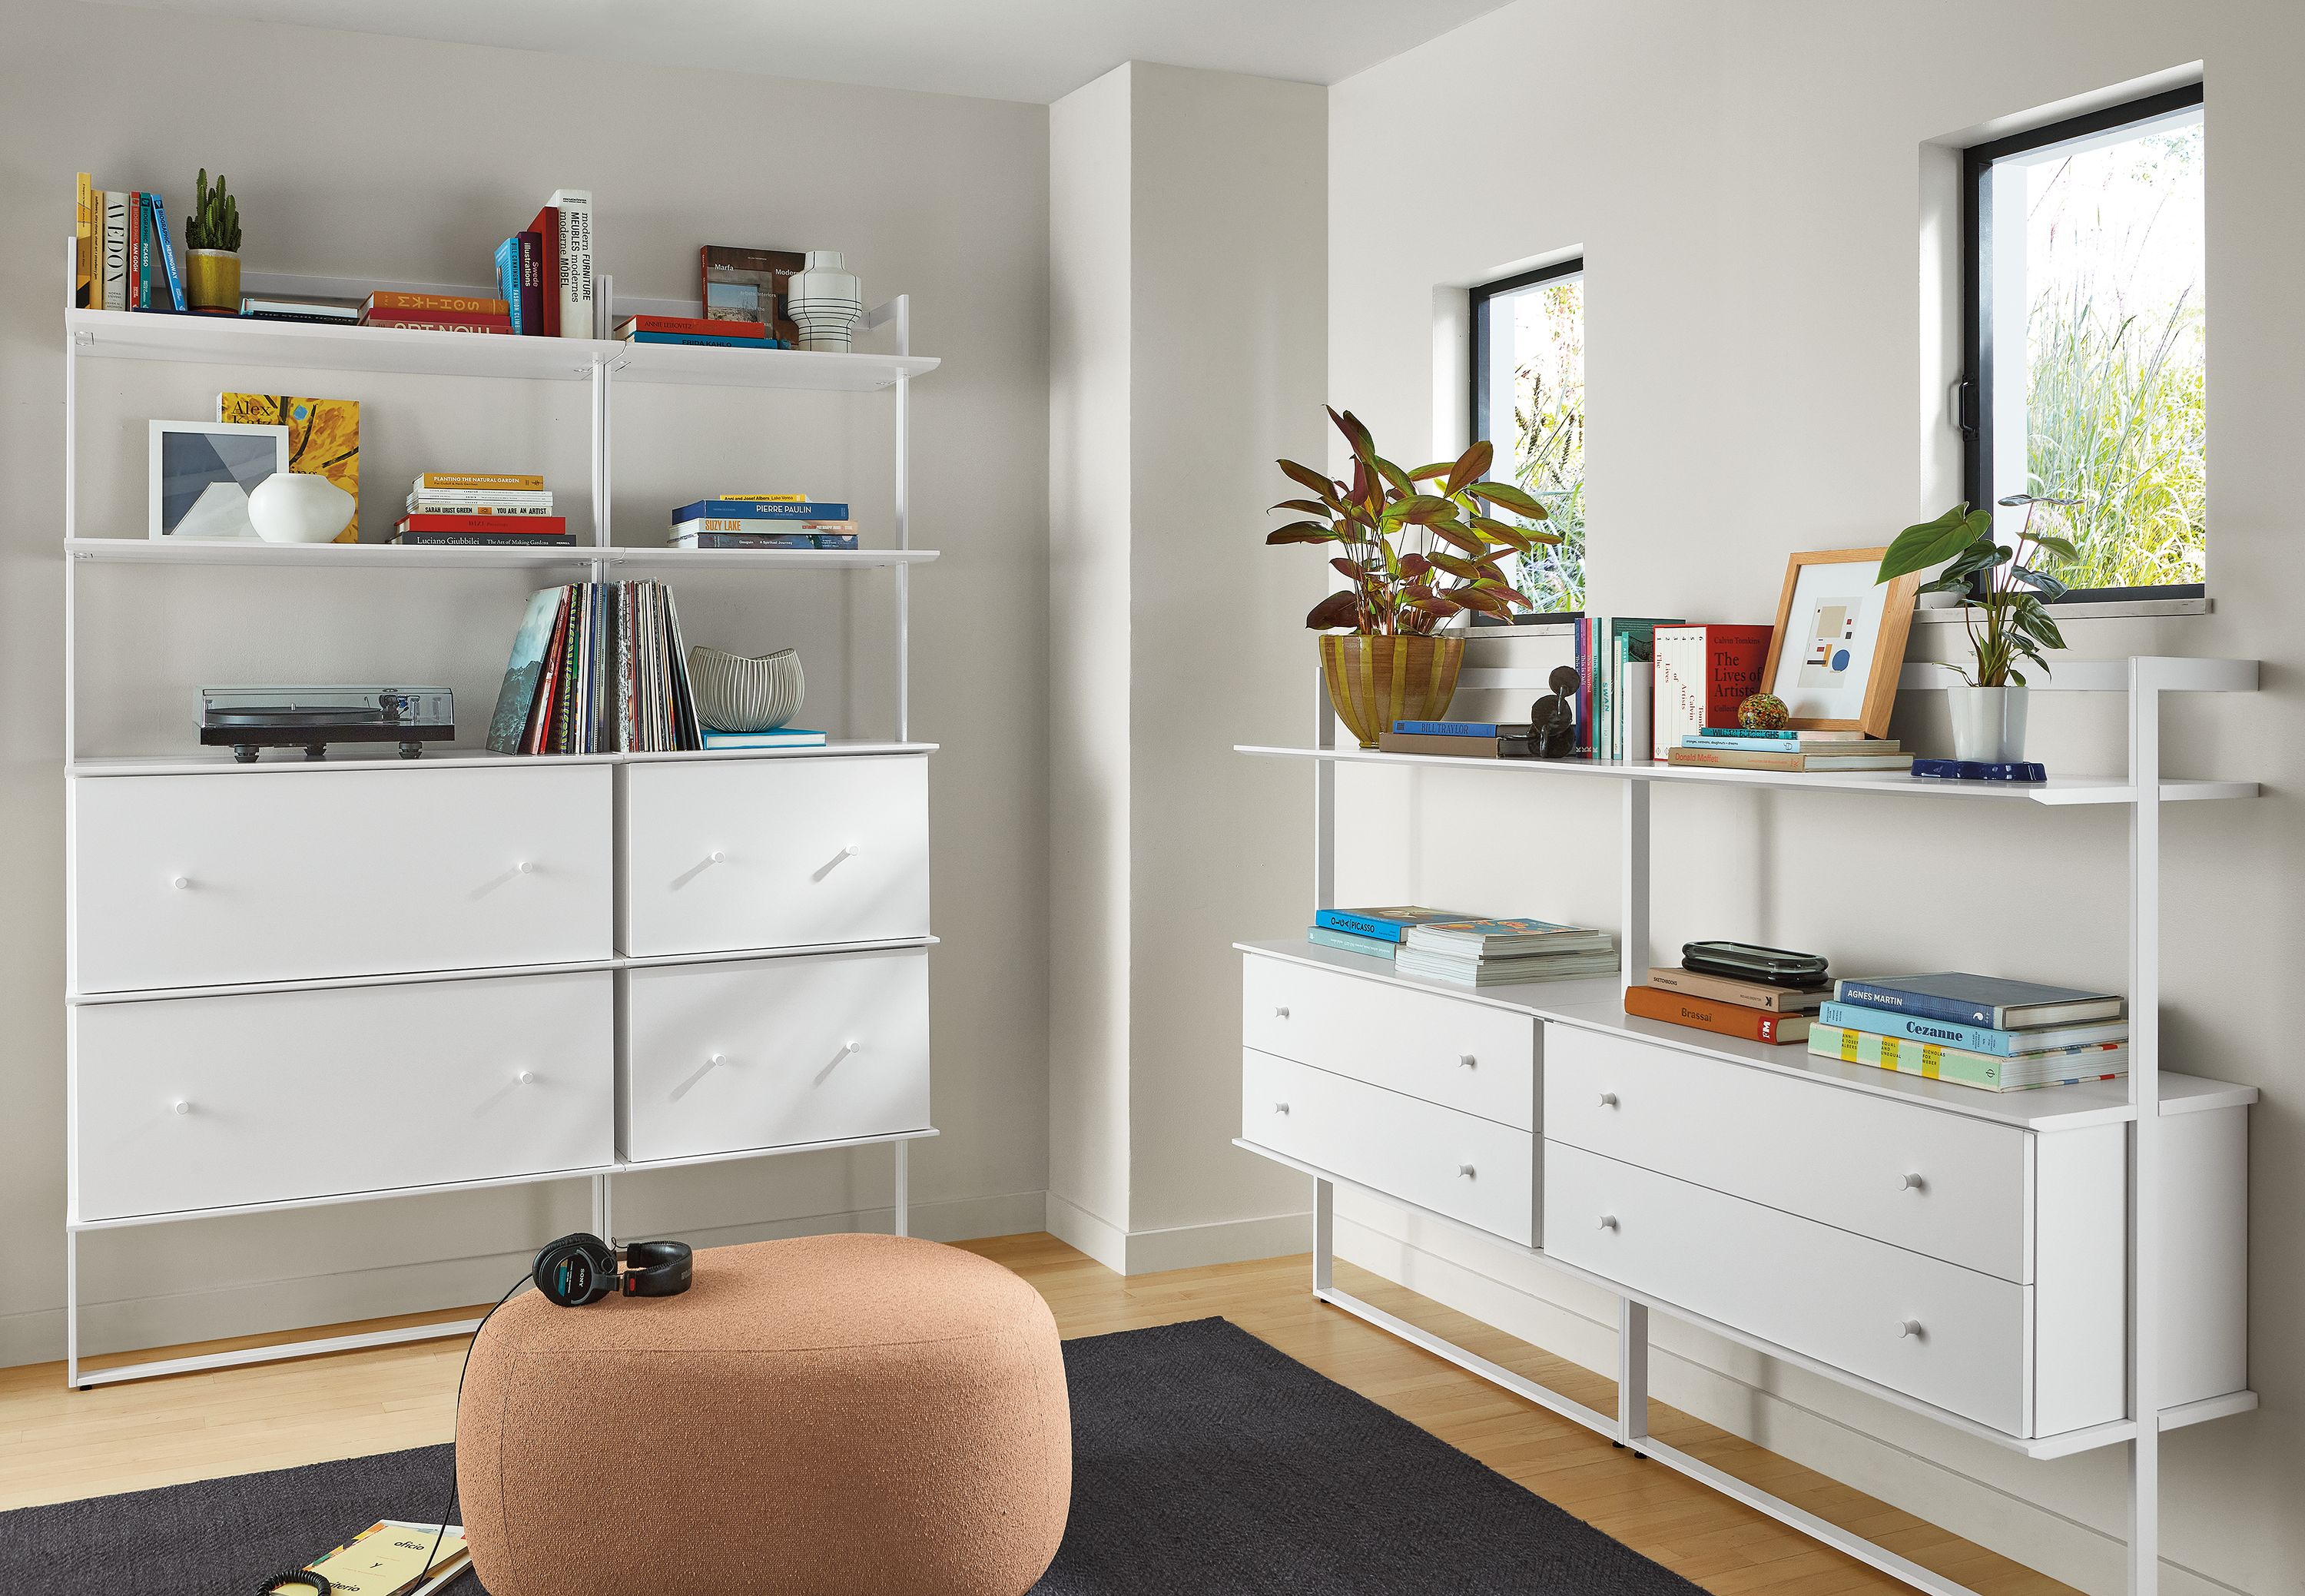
x=1178, y=1247
x=1976, y=1491
x=37, y=1336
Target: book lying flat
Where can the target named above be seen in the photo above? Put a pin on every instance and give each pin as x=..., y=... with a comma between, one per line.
x=783, y=736
x=1347, y=941
x=1728, y=989
x=2104, y=1062
x=1707, y=1014
x=1505, y=972
x=1838, y=743
x=1980, y=1000
x=1491, y=939
x=1974, y=1038
x=1454, y=748
x=1734, y=759
x=1387, y=924
x=396, y=1557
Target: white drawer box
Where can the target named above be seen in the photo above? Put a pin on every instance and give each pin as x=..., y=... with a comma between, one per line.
x=724, y=1057
x=1466, y=1167
x=1463, y=1055
x=1803, y=1146
x=212, y=1102
x=256, y=875
x=1838, y=1298
x=725, y=855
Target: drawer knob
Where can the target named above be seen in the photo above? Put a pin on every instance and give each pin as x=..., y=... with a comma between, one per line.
x=850, y=851
x=1464, y=1172
x=525, y=1076
x=718, y=858
x=1908, y=1328
x=181, y=1106
x=1465, y=1060
x=848, y=1047
x=526, y=866
x=1608, y=1222
x=1281, y=1108
x=1911, y=1182
x=1281, y=1014
x=181, y=883
x=716, y=1060
x=1608, y=1099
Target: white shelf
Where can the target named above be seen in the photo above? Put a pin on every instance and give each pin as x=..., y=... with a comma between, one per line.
x=2058, y=790
x=219, y=762
x=486, y=557
x=236, y=340
x=1598, y=1005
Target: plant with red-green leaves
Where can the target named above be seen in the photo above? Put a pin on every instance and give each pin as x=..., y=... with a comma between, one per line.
x=1417, y=546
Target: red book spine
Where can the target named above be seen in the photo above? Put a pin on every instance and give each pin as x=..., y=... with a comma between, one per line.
x=1726, y=1019
x=546, y=228
x=1736, y=663
x=504, y=327
x=521, y=526
x=693, y=325
x=391, y=317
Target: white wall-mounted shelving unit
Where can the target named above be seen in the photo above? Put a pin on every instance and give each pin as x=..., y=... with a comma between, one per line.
x=2169, y=1121
x=819, y=947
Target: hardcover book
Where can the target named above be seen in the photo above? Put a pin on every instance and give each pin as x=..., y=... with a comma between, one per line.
x=2061, y=1067
x=757, y=509
x=451, y=304
x=1703, y=673
x=478, y=482
x=1735, y=759
x=783, y=736
x=1973, y=1039
x=1749, y=994
x=1980, y=1000
x=1456, y=748
x=546, y=228
x=572, y=207
x=1710, y=1014
x=747, y=284
x=1462, y=728
x=323, y=438
x=1348, y=941
x=1386, y=924
x=707, y=340
x=508, y=526
x=393, y=318
x=1504, y=972
x=692, y=324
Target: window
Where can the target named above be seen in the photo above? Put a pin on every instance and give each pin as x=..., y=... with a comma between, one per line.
x=1528, y=399
x=2084, y=313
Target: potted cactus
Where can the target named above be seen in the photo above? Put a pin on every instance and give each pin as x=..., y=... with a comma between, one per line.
x=212, y=250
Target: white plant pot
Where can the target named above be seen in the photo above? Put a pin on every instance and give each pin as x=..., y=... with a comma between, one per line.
x=824, y=300
x=292, y=507
x=1988, y=723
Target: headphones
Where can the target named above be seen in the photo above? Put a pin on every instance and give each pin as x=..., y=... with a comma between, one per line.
x=582, y=1268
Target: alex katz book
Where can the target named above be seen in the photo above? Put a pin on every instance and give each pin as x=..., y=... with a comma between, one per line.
x=1386, y=924
x=1708, y=1014
x=1703, y=673
x=323, y=438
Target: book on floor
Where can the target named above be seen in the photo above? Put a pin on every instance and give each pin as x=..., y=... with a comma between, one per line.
x=1709, y=1015
x=396, y=1557
x=1980, y=1000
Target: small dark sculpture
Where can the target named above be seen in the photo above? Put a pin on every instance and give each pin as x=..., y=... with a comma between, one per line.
x=1553, y=719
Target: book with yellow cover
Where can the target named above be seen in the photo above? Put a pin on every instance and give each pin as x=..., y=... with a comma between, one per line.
x=512, y=482
x=84, y=242
x=390, y=1558
x=323, y=438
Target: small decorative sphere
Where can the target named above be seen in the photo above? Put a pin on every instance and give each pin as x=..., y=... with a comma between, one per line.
x=1763, y=712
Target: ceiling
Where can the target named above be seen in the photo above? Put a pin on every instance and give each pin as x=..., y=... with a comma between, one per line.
x=1036, y=50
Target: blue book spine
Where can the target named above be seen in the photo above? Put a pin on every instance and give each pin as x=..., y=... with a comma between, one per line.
x=1351, y=941
x=1882, y=1023
x=1751, y=745
x=1455, y=728
x=760, y=509
x=1922, y=1005
x=1783, y=737
x=167, y=252
x=508, y=277
x=706, y=339
x=1336, y=919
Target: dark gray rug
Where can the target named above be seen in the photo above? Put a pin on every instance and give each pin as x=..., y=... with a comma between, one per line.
x=1203, y=1461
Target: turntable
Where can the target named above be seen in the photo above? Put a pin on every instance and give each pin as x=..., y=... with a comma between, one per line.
x=247, y=719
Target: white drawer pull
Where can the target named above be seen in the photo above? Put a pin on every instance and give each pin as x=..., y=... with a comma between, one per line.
x=1281, y=1014
x=1465, y=1060
x=526, y=866
x=719, y=856
x=525, y=1076
x=181, y=1106
x=1608, y=1099
x=1281, y=1108
x=1911, y=1182
x=1908, y=1328
x=181, y=883
x=1608, y=1222
x=848, y=1047
x=1464, y=1172
x=850, y=851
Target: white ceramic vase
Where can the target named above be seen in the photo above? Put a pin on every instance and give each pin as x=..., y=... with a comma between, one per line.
x=1988, y=723
x=293, y=506
x=825, y=300
x=742, y=693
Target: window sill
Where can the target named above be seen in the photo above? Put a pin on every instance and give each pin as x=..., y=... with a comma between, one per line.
x=2112, y=610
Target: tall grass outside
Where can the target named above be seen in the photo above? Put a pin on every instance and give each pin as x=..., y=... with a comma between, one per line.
x=1539, y=333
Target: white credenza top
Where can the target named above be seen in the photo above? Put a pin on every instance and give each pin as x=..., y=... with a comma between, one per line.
x=1598, y=1004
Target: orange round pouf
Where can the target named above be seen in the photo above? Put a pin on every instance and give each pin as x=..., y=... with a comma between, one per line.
x=829, y=1414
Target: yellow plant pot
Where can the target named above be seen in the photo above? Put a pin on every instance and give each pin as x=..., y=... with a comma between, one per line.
x=1375, y=681
x=212, y=280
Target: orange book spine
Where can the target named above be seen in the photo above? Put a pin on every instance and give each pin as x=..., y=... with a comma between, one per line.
x=1726, y=1019
x=439, y=302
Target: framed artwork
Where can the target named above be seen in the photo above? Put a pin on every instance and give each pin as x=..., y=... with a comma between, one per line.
x=323, y=438
x=200, y=473
x=1839, y=642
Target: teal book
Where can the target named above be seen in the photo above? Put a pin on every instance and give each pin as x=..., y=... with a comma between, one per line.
x=1971, y=1038
x=1386, y=924
x=1349, y=942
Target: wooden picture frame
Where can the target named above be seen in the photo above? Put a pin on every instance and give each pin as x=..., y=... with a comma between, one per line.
x=1873, y=660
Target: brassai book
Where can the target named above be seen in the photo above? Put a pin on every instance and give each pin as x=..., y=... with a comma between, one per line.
x=1708, y=1014
x=1386, y=924
x=1749, y=994
x=1986, y=1000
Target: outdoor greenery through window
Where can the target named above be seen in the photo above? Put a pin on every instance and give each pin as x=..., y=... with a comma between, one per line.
x=2086, y=320
x=1528, y=399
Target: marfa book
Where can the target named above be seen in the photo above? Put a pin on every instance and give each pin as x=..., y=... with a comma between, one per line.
x=323, y=438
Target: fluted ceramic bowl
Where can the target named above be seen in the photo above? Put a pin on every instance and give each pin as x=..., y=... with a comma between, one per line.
x=745, y=693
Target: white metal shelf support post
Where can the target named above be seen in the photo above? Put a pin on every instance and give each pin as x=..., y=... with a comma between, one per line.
x=2146, y=682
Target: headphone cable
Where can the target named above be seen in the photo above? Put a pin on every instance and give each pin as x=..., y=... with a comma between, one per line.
x=442, y=1534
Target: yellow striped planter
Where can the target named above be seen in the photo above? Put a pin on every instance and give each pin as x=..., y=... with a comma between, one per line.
x=1375, y=681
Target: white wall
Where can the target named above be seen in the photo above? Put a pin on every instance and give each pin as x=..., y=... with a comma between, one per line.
x=1188, y=255
x=399, y=160
x=1749, y=183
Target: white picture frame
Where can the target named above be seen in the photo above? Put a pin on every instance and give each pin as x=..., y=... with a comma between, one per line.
x=198, y=474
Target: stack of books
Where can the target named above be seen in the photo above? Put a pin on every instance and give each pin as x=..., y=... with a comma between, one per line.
x=1728, y=1005
x=544, y=271
x=597, y=668
x=508, y=509
x=1703, y=673
x=762, y=521
x=1478, y=952
x=1733, y=748
x=1615, y=684
x=436, y=313
x=697, y=330
x=123, y=257
x=1372, y=933
x=1977, y=1030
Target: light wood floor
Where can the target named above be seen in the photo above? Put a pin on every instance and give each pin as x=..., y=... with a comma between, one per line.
x=57, y=1445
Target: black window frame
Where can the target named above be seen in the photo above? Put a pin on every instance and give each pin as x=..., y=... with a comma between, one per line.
x=1476, y=409
x=1976, y=269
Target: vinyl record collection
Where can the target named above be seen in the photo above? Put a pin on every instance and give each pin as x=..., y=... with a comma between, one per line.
x=597, y=668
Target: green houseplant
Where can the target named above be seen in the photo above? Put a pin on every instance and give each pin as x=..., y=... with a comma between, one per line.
x=1419, y=549
x=2008, y=618
x=212, y=250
